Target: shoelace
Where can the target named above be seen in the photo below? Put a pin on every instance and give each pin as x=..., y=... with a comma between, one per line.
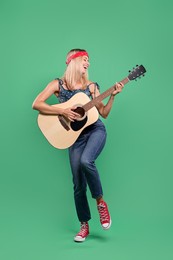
x=84, y=229
x=104, y=216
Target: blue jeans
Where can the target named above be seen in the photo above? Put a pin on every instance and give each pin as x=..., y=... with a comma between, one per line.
x=83, y=154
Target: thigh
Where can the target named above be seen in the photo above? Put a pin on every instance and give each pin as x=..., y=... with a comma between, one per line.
x=95, y=144
x=75, y=152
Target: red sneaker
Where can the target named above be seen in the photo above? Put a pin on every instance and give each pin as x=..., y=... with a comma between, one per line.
x=83, y=233
x=105, y=218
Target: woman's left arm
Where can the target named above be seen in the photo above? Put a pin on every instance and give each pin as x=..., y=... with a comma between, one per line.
x=104, y=110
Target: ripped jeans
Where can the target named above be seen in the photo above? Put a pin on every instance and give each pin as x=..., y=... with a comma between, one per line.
x=83, y=154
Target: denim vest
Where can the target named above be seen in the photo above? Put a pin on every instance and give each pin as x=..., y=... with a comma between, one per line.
x=65, y=94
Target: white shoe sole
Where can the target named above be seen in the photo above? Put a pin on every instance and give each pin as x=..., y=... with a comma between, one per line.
x=106, y=228
x=79, y=239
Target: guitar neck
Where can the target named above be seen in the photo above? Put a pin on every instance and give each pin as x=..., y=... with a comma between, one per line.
x=102, y=96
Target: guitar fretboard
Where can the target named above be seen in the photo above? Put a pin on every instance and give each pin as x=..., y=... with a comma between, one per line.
x=102, y=96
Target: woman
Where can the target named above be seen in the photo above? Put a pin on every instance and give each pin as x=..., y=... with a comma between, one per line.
x=89, y=144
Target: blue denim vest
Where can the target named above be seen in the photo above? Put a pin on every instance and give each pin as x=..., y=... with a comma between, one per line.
x=65, y=94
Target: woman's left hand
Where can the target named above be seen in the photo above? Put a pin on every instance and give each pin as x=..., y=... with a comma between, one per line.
x=118, y=88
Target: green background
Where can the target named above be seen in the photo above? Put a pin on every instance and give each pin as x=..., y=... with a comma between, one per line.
x=37, y=214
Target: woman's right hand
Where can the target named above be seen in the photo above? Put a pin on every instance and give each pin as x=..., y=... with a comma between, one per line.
x=70, y=114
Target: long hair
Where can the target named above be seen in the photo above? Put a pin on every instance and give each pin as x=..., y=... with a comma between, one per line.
x=72, y=74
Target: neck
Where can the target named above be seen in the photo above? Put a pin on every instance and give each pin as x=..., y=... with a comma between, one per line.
x=102, y=96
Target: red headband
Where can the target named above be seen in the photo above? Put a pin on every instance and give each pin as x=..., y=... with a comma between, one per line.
x=77, y=54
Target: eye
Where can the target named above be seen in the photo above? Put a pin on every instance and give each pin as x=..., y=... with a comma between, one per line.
x=85, y=59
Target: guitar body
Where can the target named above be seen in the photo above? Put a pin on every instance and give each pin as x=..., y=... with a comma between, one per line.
x=62, y=133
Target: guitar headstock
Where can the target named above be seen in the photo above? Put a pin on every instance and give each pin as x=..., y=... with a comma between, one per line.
x=137, y=72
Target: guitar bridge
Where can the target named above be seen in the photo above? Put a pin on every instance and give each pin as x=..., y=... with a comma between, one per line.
x=63, y=122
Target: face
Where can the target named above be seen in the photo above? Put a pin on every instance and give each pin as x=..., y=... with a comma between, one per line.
x=84, y=64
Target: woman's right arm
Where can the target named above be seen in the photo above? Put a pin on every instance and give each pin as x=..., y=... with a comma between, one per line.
x=40, y=104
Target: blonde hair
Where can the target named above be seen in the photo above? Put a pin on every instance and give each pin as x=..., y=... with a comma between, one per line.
x=72, y=74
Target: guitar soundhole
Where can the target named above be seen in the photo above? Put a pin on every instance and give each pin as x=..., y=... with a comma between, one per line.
x=80, y=111
x=79, y=123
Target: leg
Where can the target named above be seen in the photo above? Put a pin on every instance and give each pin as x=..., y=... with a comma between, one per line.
x=79, y=180
x=94, y=146
x=92, y=150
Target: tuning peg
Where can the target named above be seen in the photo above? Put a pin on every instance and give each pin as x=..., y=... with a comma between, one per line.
x=137, y=65
x=129, y=71
x=143, y=75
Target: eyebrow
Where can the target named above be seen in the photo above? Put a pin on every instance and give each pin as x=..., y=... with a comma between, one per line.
x=85, y=57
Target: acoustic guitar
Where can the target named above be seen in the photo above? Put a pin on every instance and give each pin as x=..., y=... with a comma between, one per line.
x=62, y=133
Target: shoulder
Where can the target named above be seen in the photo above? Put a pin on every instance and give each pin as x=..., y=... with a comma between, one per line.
x=92, y=86
x=55, y=84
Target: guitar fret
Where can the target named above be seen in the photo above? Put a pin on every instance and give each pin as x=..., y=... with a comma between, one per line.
x=102, y=96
